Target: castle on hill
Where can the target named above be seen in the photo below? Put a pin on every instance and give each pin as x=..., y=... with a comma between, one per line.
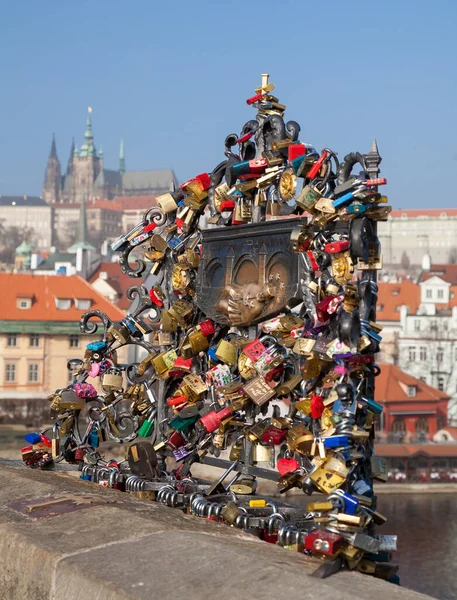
x=87, y=178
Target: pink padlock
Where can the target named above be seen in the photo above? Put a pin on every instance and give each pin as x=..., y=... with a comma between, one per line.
x=94, y=370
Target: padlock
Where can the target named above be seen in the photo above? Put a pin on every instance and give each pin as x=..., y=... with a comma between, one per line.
x=55, y=440
x=258, y=390
x=308, y=197
x=261, y=453
x=226, y=352
x=112, y=379
x=167, y=203
x=69, y=400
x=323, y=542
x=299, y=439
x=119, y=332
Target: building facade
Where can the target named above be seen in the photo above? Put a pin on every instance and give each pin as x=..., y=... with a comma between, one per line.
x=409, y=234
x=86, y=176
x=413, y=410
x=31, y=213
x=39, y=333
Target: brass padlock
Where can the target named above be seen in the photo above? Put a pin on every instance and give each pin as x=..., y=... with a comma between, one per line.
x=258, y=390
x=69, y=400
x=112, y=379
x=299, y=439
x=231, y=512
x=273, y=208
x=167, y=321
x=167, y=203
x=261, y=453
x=182, y=312
x=226, y=352
x=308, y=197
x=198, y=342
x=119, y=332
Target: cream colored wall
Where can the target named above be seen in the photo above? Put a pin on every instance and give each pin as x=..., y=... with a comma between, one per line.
x=52, y=355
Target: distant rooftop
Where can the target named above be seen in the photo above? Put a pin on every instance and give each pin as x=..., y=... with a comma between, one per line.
x=21, y=201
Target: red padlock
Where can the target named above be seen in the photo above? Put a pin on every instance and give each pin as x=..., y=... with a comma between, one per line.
x=254, y=350
x=312, y=259
x=176, y=400
x=213, y=419
x=274, y=436
x=323, y=542
x=176, y=440
x=207, y=327
x=317, y=407
x=335, y=247
x=317, y=165
x=295, y=150
x=287, y=465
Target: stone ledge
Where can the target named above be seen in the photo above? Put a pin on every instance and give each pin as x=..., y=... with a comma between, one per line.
x=130, y=549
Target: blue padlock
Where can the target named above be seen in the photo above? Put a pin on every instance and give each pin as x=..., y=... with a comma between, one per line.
x=33, y=438
x=336, y=441
x=96, y=346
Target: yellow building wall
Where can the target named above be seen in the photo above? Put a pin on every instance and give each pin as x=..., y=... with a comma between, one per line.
x=51, y=356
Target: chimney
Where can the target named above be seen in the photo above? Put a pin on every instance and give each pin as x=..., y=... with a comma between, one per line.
x=103, y=275
x=426, y=262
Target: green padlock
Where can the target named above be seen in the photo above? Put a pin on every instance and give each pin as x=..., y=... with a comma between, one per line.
x=147, y=426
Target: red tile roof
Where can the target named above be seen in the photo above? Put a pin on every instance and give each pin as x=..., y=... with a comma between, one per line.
x=424, y=212
x=45, y=288
x=106, y=205
x=136, y=202
x=408, y=450
x=117, y=280
x=447, y=273
x=393, y=295
x=388, y=387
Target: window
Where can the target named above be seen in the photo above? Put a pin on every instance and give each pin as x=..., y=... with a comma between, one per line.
x=34, y=340
x=440, y=294
x=422, y=425
x=441, y=383
x=412, y=353
x=74, y=341
x=10, y=372
x=24, y=303
x=83, y=304
x=411, y=391
x=423, y=353
x=428, y=294
x=434, y=325
x=63, y=303
x=33, y=372
x=11, y=340
x=399, y=425
x=439, y=355
x=417, y=325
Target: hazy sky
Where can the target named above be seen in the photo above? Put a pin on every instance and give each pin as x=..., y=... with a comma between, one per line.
x=172, y=79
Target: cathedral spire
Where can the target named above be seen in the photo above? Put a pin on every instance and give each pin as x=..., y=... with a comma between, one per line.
x=70, y=158
x=52, y=180
x=121, y=158
x=88, y=148
x=53, y=153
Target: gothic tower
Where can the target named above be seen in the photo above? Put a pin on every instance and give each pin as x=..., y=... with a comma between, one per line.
x=52, y=187
x=87, y=164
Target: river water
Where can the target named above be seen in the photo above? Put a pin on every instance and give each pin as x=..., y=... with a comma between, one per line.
x=426, y=525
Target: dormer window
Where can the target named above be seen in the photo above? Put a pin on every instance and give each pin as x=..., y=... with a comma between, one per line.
x=63, y=303
x=440, y=294
x=83, y=303
x=412, y=390
x=428, y=294
x=24, y=301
